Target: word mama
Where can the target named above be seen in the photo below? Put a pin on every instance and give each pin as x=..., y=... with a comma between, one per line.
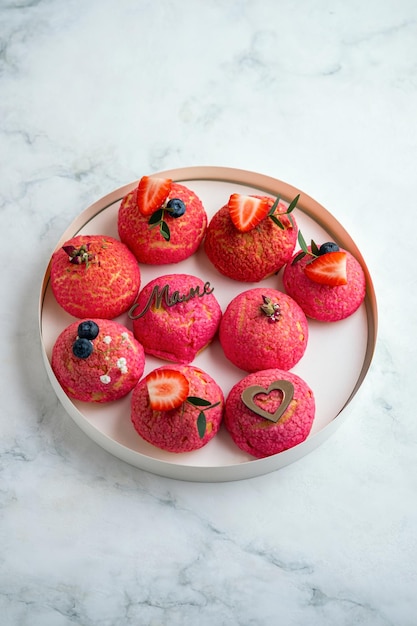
x=162, y=294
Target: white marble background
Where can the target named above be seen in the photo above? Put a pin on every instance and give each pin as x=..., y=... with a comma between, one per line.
x=320, y=94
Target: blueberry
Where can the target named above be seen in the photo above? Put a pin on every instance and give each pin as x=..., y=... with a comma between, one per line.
x=88, y=330
x=82, y=348
x=176, y=207
x=329, y=246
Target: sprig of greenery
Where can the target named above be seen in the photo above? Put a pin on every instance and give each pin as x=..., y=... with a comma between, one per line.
x=157, y=219
x=201, y=419
x=314, y=251
x=288, y=212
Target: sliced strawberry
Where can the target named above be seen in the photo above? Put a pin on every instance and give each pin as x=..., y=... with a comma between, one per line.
x=247, y=212
x=328, y=269
x=152, y=193
x=167, y=389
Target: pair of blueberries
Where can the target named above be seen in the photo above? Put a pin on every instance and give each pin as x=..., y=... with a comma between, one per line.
x=82, y=346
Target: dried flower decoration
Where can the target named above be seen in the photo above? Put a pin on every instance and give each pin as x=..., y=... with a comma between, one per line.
x=270, y=309
x=80, y=255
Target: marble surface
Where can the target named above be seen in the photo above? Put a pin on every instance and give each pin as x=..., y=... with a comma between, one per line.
x=322, y=95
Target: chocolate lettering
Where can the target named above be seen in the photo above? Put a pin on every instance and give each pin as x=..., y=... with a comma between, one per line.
x=192, y=293
x=158, y=294
x=207, y=289
x=174, y=299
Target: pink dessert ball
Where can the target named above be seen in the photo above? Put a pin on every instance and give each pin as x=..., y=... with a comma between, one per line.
x=147, y=244
x=253, y=340
x=179, y=316
x=114, y=363
x=256, y=434
x=176, y=430
x=254, y=255
x=101, y=280
x=323, y=302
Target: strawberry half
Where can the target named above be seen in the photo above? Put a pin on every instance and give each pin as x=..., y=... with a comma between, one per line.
x=167, y=389
x=247, y=212
x=152, y=193
x=328, y=269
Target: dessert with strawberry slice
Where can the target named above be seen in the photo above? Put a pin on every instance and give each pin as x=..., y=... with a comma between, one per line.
x=161, y=221
x=327, y=282
x=251, y=237
x=177, y=408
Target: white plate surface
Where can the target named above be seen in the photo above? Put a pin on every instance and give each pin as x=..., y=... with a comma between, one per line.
x=335, y=363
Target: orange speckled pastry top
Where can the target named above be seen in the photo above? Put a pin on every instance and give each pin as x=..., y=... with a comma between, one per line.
x=105, y=285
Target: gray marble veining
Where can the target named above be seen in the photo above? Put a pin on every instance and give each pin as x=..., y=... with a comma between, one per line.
x=322, y=95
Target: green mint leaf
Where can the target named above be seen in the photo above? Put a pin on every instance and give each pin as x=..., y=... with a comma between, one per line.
x=273, y=207
x=293, y=204
x=291, y=220
x=277, y=222
x=314, y=248
x=198, y=401
x=302, y=242
x=156, y=217
x=201, y=424
x=297, y=258
x=164, y=230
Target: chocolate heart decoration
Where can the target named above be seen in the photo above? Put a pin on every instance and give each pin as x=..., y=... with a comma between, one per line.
x=249, y=394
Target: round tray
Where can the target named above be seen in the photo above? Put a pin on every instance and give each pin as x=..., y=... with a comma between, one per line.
x=335, y=363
